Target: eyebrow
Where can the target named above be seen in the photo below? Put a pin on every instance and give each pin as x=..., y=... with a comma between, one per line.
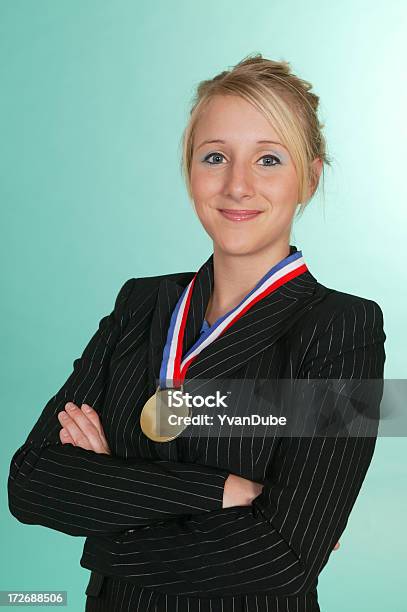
x=224, y=142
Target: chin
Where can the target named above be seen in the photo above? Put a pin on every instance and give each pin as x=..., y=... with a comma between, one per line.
x=236, y=247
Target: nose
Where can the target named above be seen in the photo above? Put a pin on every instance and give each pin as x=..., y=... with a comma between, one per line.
x=239, y=182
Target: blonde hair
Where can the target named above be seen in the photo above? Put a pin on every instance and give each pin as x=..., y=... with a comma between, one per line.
x=284, y=99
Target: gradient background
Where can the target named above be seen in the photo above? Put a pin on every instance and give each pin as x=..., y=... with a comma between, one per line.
x=94, y=98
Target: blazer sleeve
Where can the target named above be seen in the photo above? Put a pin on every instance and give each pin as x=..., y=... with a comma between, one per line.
x=281, y=542
x=80, y=492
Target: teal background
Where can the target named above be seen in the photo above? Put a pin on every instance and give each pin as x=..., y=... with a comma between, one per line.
x=94, y=97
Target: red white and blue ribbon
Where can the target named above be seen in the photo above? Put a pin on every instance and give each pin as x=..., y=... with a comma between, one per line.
x=173, y=367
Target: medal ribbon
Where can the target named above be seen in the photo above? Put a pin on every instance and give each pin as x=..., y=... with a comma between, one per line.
x=173, y=371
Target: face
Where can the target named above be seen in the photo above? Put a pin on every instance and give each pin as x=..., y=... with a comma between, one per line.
x=239, y=174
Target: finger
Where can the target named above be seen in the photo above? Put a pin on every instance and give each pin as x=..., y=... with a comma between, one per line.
x=336, y=546
x=96, y=439
x=79, y=436
x=65, y=437
x=93, y=416
x=95, y=419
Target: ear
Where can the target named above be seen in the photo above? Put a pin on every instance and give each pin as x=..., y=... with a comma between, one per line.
x=316, y=169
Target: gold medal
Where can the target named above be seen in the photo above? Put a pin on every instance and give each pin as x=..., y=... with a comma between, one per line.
x=160, y=421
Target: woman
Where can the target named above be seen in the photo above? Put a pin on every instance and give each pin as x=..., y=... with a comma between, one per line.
x=203, y=522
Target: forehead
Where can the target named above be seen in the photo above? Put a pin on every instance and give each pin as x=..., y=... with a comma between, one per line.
x=233, y=119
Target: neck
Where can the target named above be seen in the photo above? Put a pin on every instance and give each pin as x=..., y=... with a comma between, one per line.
x=236, y=275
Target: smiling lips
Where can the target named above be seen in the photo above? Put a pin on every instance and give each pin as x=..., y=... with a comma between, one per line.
x=239, y=215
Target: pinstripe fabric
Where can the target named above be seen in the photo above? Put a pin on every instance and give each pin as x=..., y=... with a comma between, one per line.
x=152, y=512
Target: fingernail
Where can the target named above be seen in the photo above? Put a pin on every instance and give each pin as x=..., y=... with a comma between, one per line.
x=64, y=433
x=70, y=406
x=63, y=415
x=86, y=408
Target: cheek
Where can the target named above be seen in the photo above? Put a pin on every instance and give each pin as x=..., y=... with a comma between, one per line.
x=281, y=186
x=198, y=189
x=205, y=214
x=197, y=178
x=282, y=216
x=204, y=183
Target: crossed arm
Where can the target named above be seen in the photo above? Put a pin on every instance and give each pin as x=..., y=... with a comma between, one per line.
x=281, y=542
x=278, y=544
x=81, y=492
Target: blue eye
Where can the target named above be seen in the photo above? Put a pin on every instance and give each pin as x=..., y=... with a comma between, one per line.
x=206, y=159
x=271, y=157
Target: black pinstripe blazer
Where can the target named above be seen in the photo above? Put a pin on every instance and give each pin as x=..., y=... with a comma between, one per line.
x=152, y=512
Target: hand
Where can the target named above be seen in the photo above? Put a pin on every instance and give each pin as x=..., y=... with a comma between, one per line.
x=82, y=427
x=240, y=491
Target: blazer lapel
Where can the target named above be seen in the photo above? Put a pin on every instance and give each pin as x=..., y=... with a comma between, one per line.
x=257, y=330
